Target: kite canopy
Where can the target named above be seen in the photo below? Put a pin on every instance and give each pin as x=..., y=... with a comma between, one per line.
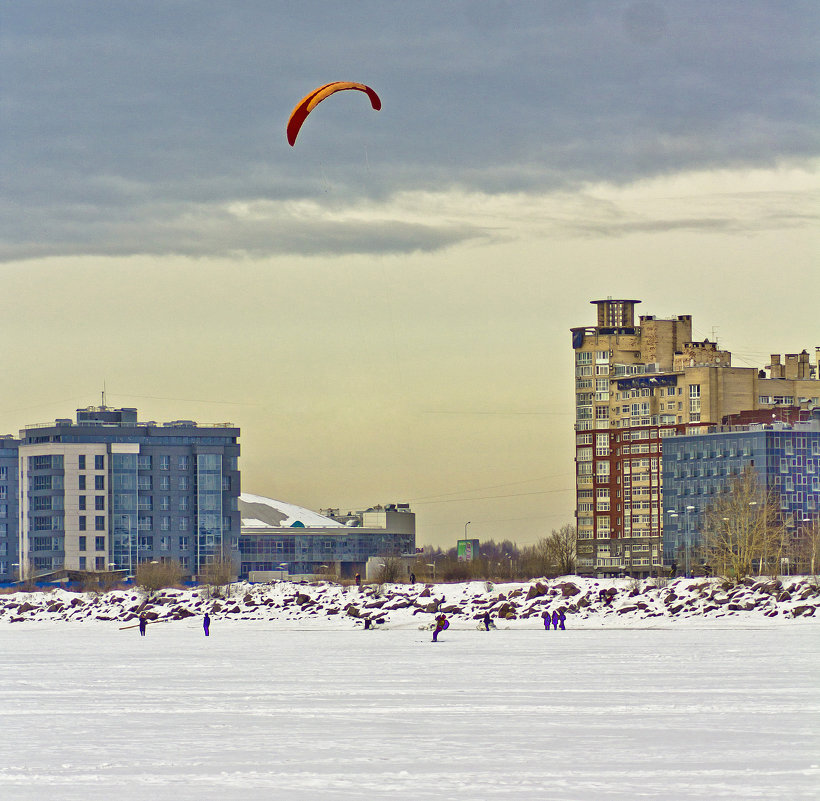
x=310, y=101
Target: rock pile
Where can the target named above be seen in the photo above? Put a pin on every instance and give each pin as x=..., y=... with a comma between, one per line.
x=595, y=601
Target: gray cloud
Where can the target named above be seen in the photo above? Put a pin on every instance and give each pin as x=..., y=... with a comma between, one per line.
x=120, y=119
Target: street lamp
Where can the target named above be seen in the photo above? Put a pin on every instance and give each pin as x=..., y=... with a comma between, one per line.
x=673, y=515
x=688, y=540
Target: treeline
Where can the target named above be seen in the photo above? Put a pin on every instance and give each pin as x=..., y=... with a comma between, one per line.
x=553, y=555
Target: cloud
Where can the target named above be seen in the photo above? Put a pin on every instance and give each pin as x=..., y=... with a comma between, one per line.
x=133, y=127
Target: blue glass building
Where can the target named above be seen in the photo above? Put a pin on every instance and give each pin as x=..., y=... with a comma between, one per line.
x=696, y=467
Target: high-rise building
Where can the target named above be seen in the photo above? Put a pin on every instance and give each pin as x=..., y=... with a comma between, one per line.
x=108, y=492
x=635, y=385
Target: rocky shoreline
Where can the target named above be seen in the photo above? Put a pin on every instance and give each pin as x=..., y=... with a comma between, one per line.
x=603, y=601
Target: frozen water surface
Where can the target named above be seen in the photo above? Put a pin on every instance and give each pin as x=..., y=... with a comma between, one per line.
x=259, y=711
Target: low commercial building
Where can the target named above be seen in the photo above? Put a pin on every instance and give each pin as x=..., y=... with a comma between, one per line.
x=278, y=539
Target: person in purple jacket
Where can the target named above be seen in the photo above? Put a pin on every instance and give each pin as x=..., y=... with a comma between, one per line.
x=555, y=619
x=547, y=619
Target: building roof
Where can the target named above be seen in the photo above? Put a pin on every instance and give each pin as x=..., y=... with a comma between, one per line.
x=263, y=513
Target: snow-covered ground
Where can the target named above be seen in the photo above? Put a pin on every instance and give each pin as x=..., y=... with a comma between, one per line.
x=309, y=706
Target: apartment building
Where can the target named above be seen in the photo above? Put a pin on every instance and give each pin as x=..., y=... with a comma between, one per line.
x=107, y=492
x=635, y=386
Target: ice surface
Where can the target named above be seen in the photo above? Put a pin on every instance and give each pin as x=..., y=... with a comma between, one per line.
x=268, y=710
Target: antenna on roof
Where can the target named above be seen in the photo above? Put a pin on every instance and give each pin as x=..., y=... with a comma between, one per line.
x=103, y=395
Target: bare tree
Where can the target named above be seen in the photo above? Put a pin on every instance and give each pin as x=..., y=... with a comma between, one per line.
x=742, y=528
x=562, y=548
x=217, y=574
x=390, y=570
x=154, y=576
x=807, y=549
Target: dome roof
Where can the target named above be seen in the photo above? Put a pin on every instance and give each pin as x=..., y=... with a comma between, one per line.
x=262, y=513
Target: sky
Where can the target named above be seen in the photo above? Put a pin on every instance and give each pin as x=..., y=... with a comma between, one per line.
x=384, y=308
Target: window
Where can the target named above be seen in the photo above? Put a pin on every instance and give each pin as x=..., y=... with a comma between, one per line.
x=81, y=461
x=81, y=480
x=99, y=502
x=81, y=540
x=81, y=502
x=146, y=542
x=82, y=527
x=183, y=543
x=144, y=461
x=183, y=523
x=164, y=462
x=165, y=543
x=584, y=357
x=145, y=484
x=184, y=463
x=165, y=482
x=99, y=563
x=183, y=503
x=99, y=543
x=184, y=483
x=99, y=482
x=99, y=523
x=82, y=563
x=99, y=461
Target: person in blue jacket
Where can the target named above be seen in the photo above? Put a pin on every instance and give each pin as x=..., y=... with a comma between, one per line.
x=547, y=619
x=561, y=619
x=555, y=619
x=206, y=624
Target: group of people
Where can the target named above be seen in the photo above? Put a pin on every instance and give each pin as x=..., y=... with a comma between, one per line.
x=206, y=625
x=557, y=619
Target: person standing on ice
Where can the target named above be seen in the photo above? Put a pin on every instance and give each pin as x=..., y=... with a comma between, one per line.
x=441, y=624
x=143, y=625
x=547, y=620
x=561, y=619
x=555, y=619
x=206, y=624
x=487, y=620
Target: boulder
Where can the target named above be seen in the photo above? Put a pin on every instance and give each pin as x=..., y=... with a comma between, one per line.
x=803, y=611
x=536, y=590
x=568, y=589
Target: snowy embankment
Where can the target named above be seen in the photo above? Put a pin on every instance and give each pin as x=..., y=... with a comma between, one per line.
x=587, y=603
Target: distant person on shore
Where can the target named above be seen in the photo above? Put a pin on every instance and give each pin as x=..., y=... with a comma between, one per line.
x=441, y=624
x=206, y=624
x=412, y=578
x=547, y=619
x=488, y=620
x=555, y=619
x=143, y=625
x=359, y=580
x=562, y=617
